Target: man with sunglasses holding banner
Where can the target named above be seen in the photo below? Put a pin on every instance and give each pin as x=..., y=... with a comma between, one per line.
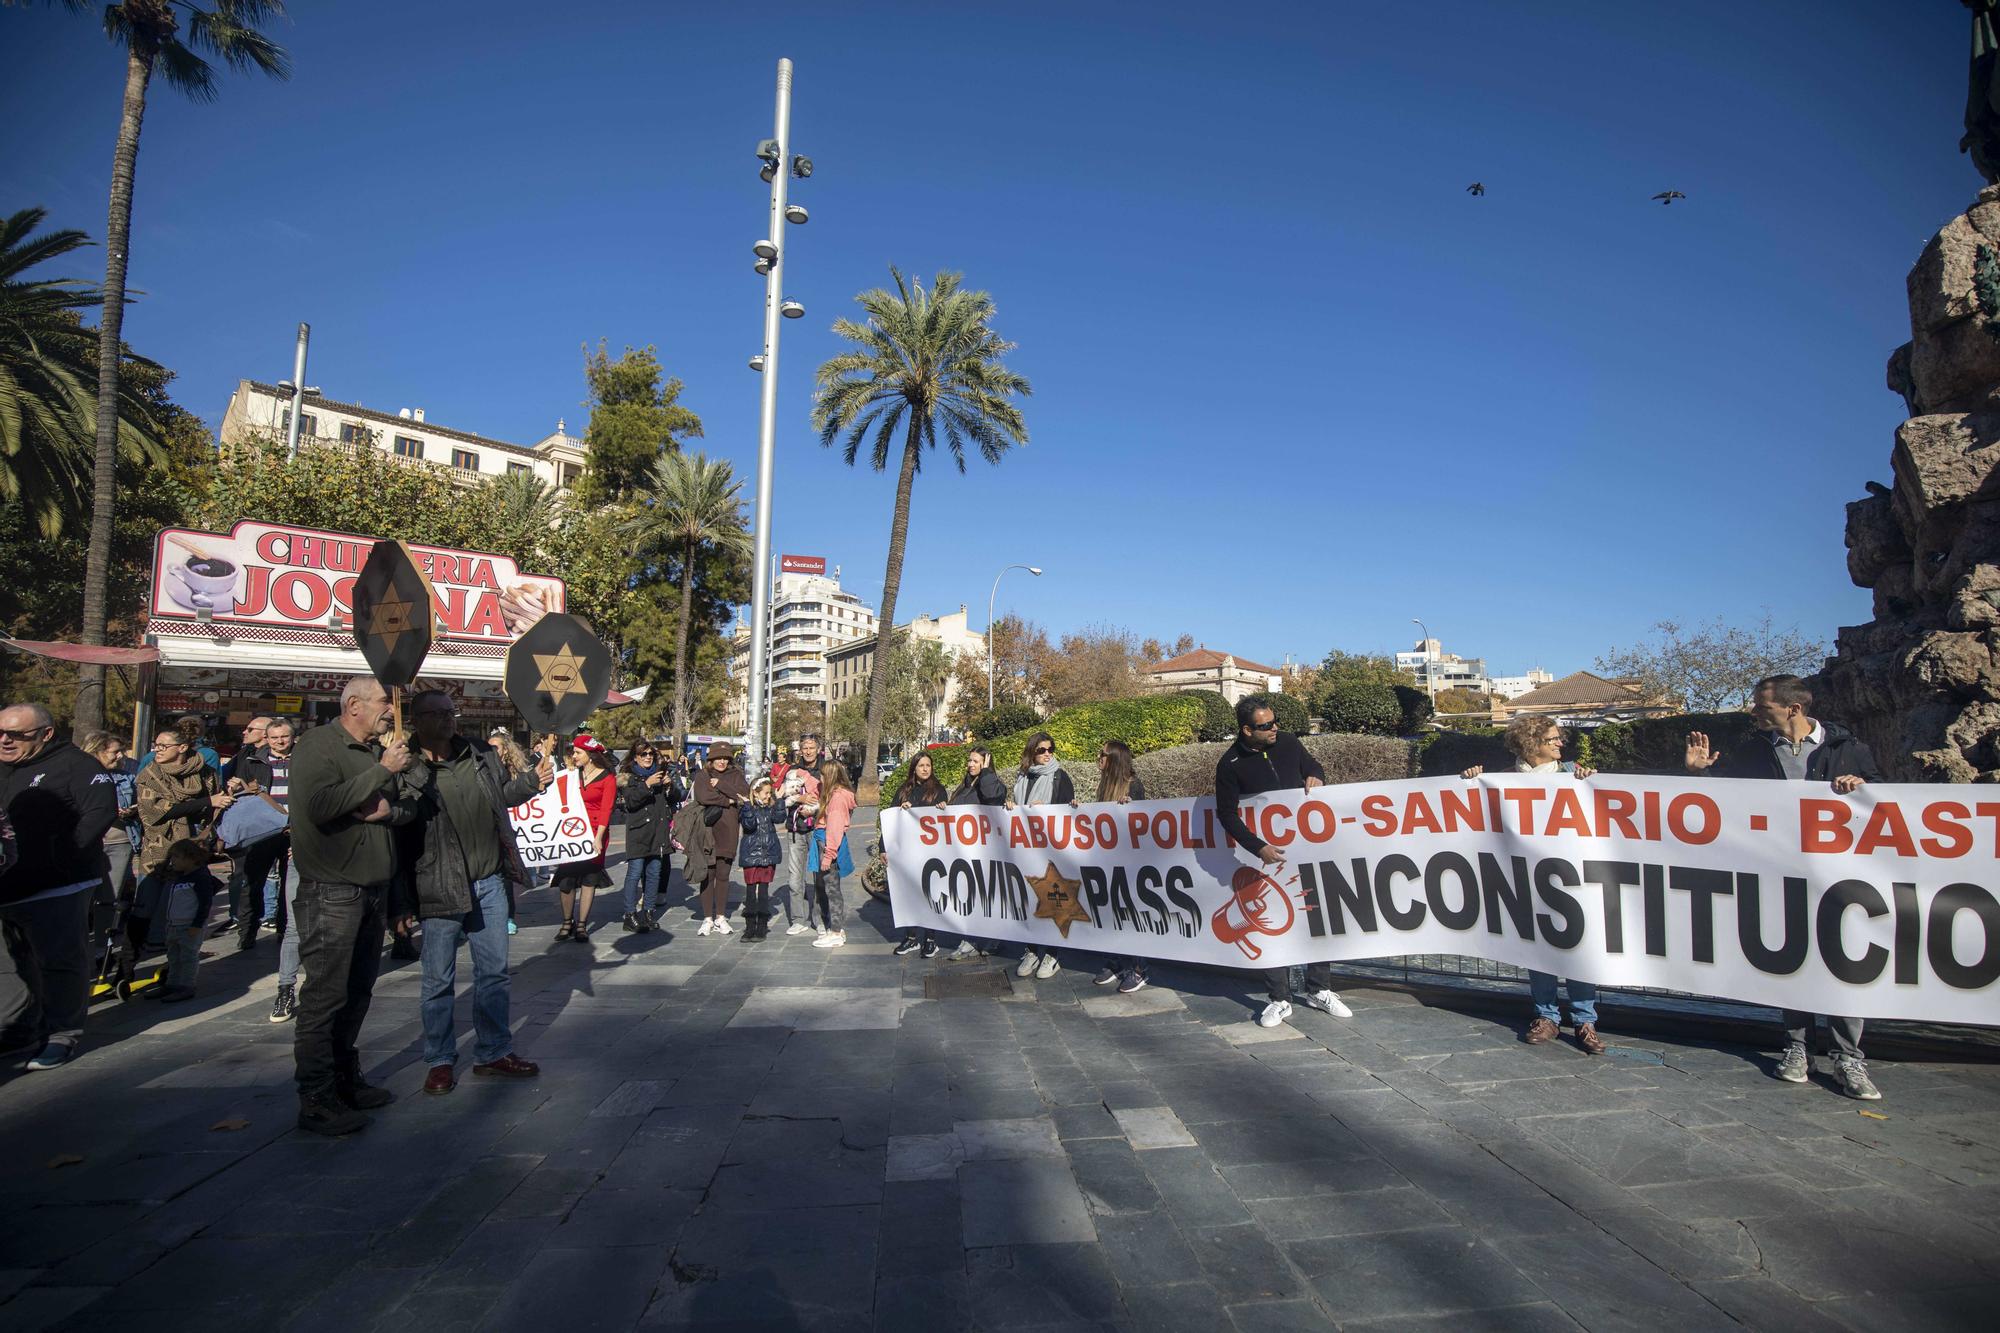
x=1266, y=759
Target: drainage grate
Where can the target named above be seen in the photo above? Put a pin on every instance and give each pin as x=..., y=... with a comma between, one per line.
x=967, y=985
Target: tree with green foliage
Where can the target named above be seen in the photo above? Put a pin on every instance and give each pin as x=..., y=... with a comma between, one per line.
x=691, y=510
x=48, y=373
x=929, y=363
x=635, y=419
x=1344, y=668
x=168, y=36
x=930, y=665
x=42, y=577
x=1004, y=719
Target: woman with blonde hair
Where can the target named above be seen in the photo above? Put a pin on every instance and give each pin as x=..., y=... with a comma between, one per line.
x=836, y=799
x=1536, y=742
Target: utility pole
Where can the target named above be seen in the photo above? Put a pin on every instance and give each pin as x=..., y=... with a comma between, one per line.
x=297, y=384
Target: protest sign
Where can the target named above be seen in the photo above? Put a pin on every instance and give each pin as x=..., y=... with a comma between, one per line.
x=1879, y=904
x=553, y=827
x=558, y=673
x=392, y=614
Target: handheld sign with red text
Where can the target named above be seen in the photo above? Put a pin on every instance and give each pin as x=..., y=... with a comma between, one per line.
x=553, y=827
x=392, y=614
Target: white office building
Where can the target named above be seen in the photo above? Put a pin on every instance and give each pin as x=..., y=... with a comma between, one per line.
x=811, y=616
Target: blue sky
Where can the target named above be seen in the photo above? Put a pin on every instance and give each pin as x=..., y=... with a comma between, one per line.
x=1293, y=386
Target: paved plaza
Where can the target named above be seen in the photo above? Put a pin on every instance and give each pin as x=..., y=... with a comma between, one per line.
x=772, y=1136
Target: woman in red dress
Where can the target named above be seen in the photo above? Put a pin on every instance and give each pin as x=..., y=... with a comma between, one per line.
x=577, y=882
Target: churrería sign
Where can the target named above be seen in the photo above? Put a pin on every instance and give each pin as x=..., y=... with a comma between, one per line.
x=1880, y=904
x=268, y=574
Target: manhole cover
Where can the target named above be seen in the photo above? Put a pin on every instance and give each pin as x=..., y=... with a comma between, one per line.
x=966, y=985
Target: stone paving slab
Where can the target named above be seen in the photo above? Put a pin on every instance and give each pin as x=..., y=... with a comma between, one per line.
x=769, y=1135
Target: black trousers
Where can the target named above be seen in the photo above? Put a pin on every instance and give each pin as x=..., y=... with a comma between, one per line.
x=1278, y=980
x=340, y=948
x=248, y=869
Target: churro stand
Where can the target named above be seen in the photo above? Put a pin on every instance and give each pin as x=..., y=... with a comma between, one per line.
x=260, y=620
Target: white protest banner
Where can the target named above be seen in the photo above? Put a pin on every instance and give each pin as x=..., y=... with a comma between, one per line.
x=1878, y=904
x=552, y=828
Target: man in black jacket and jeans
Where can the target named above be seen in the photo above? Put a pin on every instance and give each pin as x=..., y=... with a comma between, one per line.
x=1800, y=748
x=458, y=887
x=60, y=802
x=343, y=800
x=1266, y=759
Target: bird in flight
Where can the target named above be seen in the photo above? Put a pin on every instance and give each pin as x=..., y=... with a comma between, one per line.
x=1667, y=197
x=1476, y=188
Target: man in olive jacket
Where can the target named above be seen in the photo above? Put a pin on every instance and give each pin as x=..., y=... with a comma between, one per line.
x=344, y=798
x=458, y=887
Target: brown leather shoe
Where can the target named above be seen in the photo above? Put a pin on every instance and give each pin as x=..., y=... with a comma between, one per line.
x=440, y=1081
x=509, y=1066
x=1587, y=1038
x=1539, y=1031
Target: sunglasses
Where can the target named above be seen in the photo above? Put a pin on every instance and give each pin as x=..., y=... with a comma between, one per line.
x=23, y=736
x=1272, y=725
x=1045, y=749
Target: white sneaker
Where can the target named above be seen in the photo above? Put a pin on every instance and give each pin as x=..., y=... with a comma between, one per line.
x=1276, y=1012
x=797, y=928
x=1048, y=968
x=833, y=939
x=1027, y=967
x=1327, y=1002
x=966, y=949
x=722, y=926
x=707, y=926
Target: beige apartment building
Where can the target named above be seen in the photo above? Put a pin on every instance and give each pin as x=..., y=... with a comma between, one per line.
x=258, y=409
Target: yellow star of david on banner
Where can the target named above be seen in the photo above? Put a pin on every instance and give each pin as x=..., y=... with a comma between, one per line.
x=1058, y=900
x=562, y=673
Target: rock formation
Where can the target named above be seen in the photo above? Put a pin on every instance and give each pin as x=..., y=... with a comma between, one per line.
x=1921, y=681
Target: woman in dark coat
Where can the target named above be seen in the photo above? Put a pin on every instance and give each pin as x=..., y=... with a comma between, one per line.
x=650, y=797
x=921, y=790
x=981, y=786
x=719, y=789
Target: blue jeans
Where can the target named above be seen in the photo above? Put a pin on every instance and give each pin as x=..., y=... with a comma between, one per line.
x=642, y=882
x=288, y=945
x=484, y=928
x=1582, y=999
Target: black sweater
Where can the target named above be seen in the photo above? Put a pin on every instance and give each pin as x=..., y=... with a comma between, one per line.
x=1283, y=766
x=1840, y=754
x=60, y=802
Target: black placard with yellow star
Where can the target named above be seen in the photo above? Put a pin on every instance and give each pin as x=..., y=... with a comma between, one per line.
x=558, y=673
x=392, y=614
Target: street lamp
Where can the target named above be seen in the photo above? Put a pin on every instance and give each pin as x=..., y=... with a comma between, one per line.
x=1430, y=675
x=1032, y=569
x=769, y=251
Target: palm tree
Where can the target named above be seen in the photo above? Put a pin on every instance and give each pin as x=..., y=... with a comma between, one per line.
x=524, y=509
x=930, y=363
x=151, y=31
x=48, y=363
x=693, y=509
x=931, y=664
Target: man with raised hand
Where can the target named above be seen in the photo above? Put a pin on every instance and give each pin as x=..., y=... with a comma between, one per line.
x=60, y=801
x=1266, y=759
x=1798, y=747
x=343, y=801
x=458, y=888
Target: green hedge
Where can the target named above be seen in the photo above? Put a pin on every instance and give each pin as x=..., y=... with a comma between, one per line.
x=1658, y=744
x=1151, y=722
x=1006, y=719
x=1443, y=753
x=1218, y=718
x=1362, y=709
x=1189, y=770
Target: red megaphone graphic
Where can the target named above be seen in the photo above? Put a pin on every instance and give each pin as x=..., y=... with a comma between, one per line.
x=1256, y=906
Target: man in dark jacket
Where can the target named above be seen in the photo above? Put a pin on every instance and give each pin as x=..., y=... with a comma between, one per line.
x=1266, y=759
x=458, y=887
x=60, y=802
x=343, y=802
x=1798, y=747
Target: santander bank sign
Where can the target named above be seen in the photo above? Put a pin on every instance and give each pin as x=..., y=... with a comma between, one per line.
x=267, y=574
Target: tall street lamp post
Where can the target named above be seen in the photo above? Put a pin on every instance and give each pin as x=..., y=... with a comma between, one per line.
x=1032, y=569
x=778, y=169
